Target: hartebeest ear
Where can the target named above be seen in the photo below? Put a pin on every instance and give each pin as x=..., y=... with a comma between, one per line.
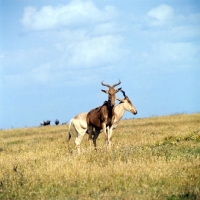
x=106, y=91
x=118, y=90
x=121, y=100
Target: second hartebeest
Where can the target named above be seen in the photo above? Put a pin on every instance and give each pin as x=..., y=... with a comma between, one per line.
x=80, y=124
x=102, y=116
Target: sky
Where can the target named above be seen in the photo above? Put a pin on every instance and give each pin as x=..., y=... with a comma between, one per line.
x=54, y=55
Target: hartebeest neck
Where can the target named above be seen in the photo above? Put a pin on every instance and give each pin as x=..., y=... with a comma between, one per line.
x=119, y=111
x=109, y=105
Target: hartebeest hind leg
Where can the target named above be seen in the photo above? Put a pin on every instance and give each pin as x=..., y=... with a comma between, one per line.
x=95, y=136
x=80, y=132
x=78, y=142
x=90, y=133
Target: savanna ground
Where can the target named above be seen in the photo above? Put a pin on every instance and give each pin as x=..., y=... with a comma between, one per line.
x=152, y=158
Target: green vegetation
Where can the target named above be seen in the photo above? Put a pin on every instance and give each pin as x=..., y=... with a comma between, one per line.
x=153, y=158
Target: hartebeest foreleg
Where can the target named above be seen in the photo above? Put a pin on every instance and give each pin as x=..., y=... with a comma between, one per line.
x=110, y=132
x=95, y=136
x=104, y=130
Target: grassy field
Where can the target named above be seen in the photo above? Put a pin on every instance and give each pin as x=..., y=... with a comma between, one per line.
x=152, y=158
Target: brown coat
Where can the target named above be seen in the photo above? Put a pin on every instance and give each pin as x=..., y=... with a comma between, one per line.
x=101, y=114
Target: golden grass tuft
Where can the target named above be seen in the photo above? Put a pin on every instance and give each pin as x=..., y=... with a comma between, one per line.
x=153, y=158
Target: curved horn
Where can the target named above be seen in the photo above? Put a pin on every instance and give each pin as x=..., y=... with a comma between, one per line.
x=123, y=93
x=105, y=84
x=117, y=83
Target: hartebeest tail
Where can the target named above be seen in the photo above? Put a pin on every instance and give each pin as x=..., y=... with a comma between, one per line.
x=69, y=134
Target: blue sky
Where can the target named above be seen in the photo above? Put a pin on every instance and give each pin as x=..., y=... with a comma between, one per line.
x=54, y=55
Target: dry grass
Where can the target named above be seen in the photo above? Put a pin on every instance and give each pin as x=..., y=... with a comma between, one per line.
x=154, y=158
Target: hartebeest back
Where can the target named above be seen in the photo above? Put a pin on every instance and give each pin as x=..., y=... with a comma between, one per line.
x=102, y=116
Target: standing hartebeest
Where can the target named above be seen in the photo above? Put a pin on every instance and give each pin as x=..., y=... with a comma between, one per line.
x=102, y=116
x=80, y=124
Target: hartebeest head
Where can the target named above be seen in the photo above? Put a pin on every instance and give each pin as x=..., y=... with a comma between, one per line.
x=127, y=103
x=111, y=92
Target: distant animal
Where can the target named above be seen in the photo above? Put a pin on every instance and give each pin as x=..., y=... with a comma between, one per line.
x=102, y=116
x=42, y=123
x=45, y=123
x=56, y=122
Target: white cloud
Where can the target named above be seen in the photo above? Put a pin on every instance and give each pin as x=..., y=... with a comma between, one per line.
x=77, y=12
x=23, y=60
x=106, y=28
x=68, y=57
x=160, y=15
x=93, y=38
x=83, y=35
x=84, y=48
x=96, y=51
x=172, y=55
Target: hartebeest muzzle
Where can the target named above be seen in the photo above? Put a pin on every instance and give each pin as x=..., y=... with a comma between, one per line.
x=134, y=112
x=111, y=92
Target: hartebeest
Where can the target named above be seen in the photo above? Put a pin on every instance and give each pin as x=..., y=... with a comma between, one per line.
x=102, y=116
x=80, y=124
